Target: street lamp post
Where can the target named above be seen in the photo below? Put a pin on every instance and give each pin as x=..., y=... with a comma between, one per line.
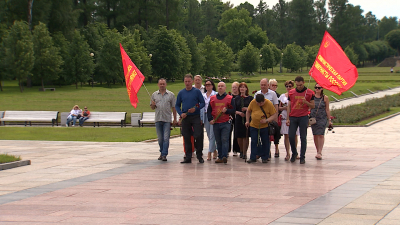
x=260, y=63
x=92, y=55
x=281, y=63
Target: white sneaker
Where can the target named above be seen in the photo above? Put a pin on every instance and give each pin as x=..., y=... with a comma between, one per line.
x=66, y=125
x=73, y=125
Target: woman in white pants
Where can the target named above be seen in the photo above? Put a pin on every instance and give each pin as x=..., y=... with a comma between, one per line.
x=210, y=91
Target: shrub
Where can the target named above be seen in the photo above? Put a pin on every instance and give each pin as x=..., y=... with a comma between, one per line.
x=356, y=113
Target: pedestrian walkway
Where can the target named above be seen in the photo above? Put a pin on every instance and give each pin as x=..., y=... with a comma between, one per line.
x=357, y=182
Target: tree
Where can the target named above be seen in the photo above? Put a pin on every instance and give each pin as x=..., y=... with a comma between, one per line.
x=393, y=38
x=3, y=65
x=351, y=55
x=311, y=52
x=63, y=45
x=47, y=57
x=225, y=53
x=80, y=64
x=109, y=59
x=166, y=56
x=302, y=17
x=134, y=47
x=361, y=51
x=386, y=25
x=197, y=59
x=267, y=57
x=19, y=53
x=249, y=59
x=212, y=62
x=291, y=58
x=277, y=54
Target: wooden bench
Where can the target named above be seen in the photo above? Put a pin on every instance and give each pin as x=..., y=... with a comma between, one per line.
x=104, y=117
x=30, y=116
x=150, y=118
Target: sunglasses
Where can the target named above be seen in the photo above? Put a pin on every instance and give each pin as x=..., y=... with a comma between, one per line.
x=208, y=84
x=288, y=86
x=318, y=88
x=274, y=85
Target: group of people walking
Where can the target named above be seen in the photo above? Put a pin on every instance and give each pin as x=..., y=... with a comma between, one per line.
x=207, y=106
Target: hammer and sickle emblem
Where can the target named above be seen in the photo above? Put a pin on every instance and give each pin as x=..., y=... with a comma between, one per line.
x=326, y=44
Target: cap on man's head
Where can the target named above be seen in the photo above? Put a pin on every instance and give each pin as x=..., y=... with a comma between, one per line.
x=299, y=78
x=260, y=98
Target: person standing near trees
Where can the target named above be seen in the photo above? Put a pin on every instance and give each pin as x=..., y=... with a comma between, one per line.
x=323, y=116
x=221, y=107
x=234, y=145
x=300, y=100
x=211, y=91
x=163, y=101
x=188, y=104
x=198, y=83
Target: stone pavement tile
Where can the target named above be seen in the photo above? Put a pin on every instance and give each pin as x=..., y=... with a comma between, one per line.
x=373, y=206
x=394, y=214
x=362, y=211
x=350, y=219
x=389, y=222
x=31, y=218
x=298, y=220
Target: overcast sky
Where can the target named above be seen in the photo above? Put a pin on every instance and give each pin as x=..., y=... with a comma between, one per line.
x=379, y=8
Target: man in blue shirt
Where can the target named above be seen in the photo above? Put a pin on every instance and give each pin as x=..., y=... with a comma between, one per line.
x=188, y=104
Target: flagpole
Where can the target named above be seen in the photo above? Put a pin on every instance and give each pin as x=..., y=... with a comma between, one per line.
x=145, y=88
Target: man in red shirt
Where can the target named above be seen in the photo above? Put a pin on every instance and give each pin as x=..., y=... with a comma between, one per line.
x=84, y=116
x=220, y=108
x=301, y=99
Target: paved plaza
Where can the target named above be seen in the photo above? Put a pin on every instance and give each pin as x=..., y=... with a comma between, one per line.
x=357, y=182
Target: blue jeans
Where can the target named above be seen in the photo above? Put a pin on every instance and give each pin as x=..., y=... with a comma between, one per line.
x=71, y=118
x=302, y=124
x=163, y=134
x=82, y=120
x=263, y=148
x=222, y=132
x=211, y=137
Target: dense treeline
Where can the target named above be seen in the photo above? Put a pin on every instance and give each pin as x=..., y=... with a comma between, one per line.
x=77, y=41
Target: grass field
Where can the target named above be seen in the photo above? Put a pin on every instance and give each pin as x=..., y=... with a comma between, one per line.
x=102, y=134
x=115, y=98
x=6, y=158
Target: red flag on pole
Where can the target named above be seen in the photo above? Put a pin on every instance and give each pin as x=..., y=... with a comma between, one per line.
x=133, y=77
x=332, y=69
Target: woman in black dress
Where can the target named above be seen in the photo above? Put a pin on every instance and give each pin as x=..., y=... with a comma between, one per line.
x=242, y=133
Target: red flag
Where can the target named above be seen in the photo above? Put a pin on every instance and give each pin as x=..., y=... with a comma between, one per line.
x=133, y=77
x=332, y=69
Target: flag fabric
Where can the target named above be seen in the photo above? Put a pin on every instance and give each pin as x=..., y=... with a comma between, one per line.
x=332, y=69
x=133, y=77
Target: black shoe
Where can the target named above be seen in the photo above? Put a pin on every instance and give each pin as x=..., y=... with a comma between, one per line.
x=164, y=158
x=244, y=157
x=294, y=156
x=160, y=158
x=264, y=161
x=302, y=161
x=225, y=160
x=187, y=161
x=201, y=160
x=251, y=161
x=241, y=155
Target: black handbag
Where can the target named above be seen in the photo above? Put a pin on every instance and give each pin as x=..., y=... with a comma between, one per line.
x=271, y=126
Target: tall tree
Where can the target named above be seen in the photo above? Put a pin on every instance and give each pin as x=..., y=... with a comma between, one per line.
x=386, y=25
x=19, y=53
x=267, y=57
x=197, y=59
x=225, y=53
x=80, y=64
x=302, y=16
x=47, y=57
x=393, y=38
x=213, y=63
x=249, y=59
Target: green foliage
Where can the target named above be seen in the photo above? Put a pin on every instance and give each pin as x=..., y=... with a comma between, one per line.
x=79, y=65
x=109, y=59
x=393, y=38
x=225, y=54
x=361, y=51
x=63, y=45
x=267, y=57
x=311, y=52
x=19, y=53
x=134, y=47
x=294, y=57
x=386, y=25
x=249, y=59
x=213, y=63
x=47, y=57
x=197, y=60
x=355, y=113
x=184, y=56
x=6, y=158
x=351, y=55
x=166, y=57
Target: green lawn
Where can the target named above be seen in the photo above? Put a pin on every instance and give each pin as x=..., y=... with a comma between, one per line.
x=101, y=134
x=6, y=158
x=392, y=111
x=115, y=98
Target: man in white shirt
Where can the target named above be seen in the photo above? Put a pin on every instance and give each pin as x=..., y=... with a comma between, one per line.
x=268, y=94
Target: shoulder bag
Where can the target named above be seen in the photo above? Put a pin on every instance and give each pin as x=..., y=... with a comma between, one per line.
x=271, y=125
